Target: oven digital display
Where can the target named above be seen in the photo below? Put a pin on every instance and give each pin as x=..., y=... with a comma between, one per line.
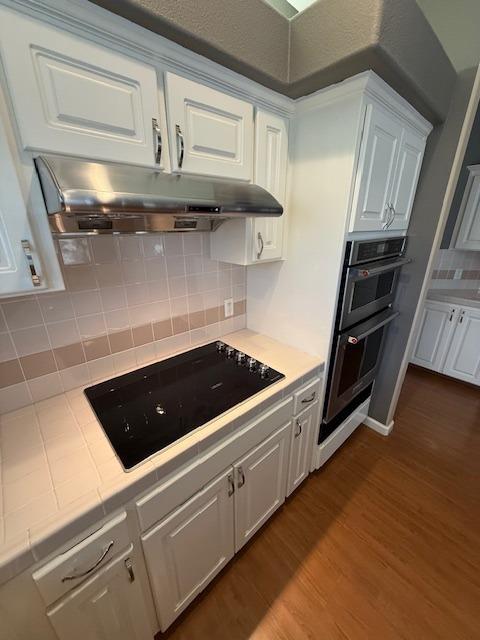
x=381, y=248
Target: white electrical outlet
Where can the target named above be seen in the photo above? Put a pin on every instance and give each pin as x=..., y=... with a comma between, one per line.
x=228, y=305
x=458, y=274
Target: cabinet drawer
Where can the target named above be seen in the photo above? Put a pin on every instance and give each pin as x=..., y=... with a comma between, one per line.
x=306, y=396
x=73, y=566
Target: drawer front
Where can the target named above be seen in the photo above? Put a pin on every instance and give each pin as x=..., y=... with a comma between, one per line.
x=306, y=396
x=75, y=565
x=157, y=503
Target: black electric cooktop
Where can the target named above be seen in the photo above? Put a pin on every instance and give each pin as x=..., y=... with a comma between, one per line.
x=146, y=410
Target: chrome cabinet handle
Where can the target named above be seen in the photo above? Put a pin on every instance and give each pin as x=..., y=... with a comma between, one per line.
x=452, y=313
x=241, y=478
x=385, y=224
x=462, y=313
x=231, y=485
x=180, y=150
x=261, y=245
x=102, y=557
x=299, y=425
x=310, y=399
x=394, y=213
x=158, y=137
x=129, y=568
x=27, y=250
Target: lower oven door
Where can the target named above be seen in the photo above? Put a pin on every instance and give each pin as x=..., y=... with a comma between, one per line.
x=356, y=358
x=369, y=288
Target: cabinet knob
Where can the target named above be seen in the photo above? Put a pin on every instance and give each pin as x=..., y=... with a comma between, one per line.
x=129, y=568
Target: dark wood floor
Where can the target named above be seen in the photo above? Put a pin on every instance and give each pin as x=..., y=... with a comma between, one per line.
x=382, y=543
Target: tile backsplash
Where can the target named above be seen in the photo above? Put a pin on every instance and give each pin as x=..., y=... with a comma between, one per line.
x=128, y=300
x=464, y=264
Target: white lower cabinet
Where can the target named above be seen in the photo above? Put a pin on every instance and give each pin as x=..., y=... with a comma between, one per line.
x=260, y=484
x=109, y=606
x=463, y=359
x=433, y=339
x=449, y=341
x=187, y=549
x=301, y=447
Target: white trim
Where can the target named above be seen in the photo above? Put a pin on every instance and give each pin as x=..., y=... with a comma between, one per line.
x=383, y=429
x=109, y=30
x=447, y=203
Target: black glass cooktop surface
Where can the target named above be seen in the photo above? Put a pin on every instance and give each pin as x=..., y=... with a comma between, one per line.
x=146, y=410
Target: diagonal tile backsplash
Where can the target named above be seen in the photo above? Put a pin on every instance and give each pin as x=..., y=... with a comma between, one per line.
x=128, y=300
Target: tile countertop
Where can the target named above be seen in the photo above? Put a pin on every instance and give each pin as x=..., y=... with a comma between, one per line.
x=467, y=297
x=60, y=474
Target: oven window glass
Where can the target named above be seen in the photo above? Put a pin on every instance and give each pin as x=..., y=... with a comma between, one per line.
x=359, y=359
x=371, y=289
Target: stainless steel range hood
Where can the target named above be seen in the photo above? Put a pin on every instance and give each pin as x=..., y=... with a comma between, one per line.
x=84, y=197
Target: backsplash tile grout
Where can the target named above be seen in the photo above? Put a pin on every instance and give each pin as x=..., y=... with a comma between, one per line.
x=127, y=300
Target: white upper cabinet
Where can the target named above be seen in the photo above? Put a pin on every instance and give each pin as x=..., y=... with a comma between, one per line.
x=109, y=606
x=21, y=243
x=255, y=240
x=463, y=360
x=271, y=156
x=387, y=174
x=435, y=333
x=75, y=97
x=468, y=236
x=211, y=133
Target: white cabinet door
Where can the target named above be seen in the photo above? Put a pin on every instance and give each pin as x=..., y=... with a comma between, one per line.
x=211, y=133
x=433, y=340
x=271, y=149
x=406, y=177
x=72, y=96
x=468, y=236
x=301, y=447
x=260, y=484
x=377, y=163
x=463, y=359
x=21, y=269
x=109, y=606
x=187, y=549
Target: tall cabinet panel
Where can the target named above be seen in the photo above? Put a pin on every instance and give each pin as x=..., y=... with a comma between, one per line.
x=75, y=97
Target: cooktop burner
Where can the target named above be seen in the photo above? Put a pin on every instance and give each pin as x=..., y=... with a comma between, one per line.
x=146, y=410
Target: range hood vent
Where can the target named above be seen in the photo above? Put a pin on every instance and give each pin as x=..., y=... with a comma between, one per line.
x=84, y=197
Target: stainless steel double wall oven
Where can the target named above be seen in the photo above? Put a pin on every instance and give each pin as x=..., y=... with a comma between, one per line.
x=369, y=279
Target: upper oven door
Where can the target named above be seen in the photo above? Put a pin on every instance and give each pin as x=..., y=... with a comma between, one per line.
x=368, y=289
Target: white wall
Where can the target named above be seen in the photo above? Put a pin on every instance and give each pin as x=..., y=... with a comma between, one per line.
x=295, y=301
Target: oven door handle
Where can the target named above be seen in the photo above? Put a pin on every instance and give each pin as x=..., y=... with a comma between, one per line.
x=367, y=272
x=356, y=337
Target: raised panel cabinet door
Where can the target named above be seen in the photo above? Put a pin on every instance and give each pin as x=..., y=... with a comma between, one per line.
x=75, y=97
x=211, y=133
x=271, y=158
x=261, y=484
x=434, y=336
x=109, y=606
x=301, y=447
x=377, y=164
x=20, y=266
x=468, y=236
x=463, y=359
x=187, y=549
x=406, y=178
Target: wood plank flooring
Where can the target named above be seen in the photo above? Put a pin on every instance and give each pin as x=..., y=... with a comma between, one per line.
x=382, y=543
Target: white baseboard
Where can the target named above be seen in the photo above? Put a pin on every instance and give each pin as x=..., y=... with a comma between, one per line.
x=384, y=429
